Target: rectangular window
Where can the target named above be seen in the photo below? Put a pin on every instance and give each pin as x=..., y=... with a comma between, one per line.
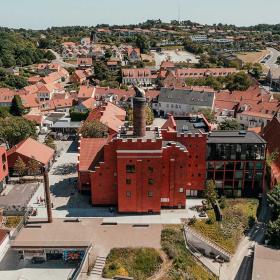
x=128, y=194
x=130, y=168
x=150, y=194
x=150, y=181
x=128, y=181
x=150, y=169
x=181, y=190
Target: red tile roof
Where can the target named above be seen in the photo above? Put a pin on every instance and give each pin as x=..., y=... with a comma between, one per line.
x=110, y=115
x=33, y=149
x=84, y=61
x=86, y=92
x=89, y=148
x=35, y=118
x=136, y=73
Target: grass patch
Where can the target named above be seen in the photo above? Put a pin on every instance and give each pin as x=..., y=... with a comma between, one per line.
x=184, y=265
x=139, y=263
x=238, y=215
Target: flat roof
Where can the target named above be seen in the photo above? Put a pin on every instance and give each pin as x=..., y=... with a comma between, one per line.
x=128, y=133
x=234, y=137
x=194, y=124
x=63, y=124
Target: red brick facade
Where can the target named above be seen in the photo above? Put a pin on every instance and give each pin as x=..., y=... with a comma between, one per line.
x=144, y=176
x=3, y=164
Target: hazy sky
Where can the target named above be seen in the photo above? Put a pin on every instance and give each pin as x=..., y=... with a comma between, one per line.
x=38, y=14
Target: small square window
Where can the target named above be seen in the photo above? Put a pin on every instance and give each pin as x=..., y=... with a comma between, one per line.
x=130, y=168
x=150, y=181
x=150, y=194
x=181, y=190
x=150, y=169
x=128, y=181
x=128, y=194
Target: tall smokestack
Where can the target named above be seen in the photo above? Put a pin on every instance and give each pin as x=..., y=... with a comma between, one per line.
x=139, y=112
x=47, y=194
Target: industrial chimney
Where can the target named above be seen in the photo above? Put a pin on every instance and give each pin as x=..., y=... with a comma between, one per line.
x=139, y=112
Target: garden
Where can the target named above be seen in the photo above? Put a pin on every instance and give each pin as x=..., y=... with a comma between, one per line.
x=139, y=263
x=238, y=216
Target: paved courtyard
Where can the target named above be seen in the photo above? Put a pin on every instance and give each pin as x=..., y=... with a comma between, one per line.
x=175, y=56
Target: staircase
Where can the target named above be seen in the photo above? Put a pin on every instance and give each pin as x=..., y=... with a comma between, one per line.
x=98, y=266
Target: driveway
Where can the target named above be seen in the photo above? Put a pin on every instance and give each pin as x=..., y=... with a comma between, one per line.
x=271, y=63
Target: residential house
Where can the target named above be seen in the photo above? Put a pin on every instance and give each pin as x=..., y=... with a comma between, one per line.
x=84, y=62
x=140, y=76
x=133, y=54
x=30, y=149
x=85, y=92
x=183, y=101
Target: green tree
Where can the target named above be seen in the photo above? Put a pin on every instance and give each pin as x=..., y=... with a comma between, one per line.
x=15, y=129
x=17, y=108
x=208, y=114
x=273, y=199
x=273, y=233
x=149, y=115
x=20, y=167
x=33, y=166
x=49, y=55
x=142, y=43
x=229, y=124
x=17, y=82
x=50, y=143
x=238, y=81
x=94, y=129
x=210, y=192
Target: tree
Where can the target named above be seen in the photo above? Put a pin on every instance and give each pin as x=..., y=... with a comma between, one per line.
x=20, y=167
x=94, y=129
x=49, y=55
x=101, y=71
x=15, y=129
x=50, y=143
x=273, y=199
x=273, y=233
x=149, y=115
x=238, y=81
x=33, y=166
x=17, y=108
x=208, y=114
x=142, y=43
x=17, y=82
x=229, y=124
x=210, y=192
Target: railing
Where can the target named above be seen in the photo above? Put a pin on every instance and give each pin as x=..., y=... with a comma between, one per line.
x=74, y=275
x=207, y=241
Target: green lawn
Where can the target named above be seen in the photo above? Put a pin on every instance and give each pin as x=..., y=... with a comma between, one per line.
x=237, y=216
x=139, y=263
x=184, y=265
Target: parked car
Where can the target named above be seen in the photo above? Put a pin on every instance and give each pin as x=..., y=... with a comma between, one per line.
x=38, y=260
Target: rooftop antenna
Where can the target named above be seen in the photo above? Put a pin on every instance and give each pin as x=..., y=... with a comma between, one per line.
x=179, y=12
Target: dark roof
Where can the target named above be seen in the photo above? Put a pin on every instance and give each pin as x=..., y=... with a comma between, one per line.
x=186, y=96
x=190, y=124
x=234, y=137
x=169, y=143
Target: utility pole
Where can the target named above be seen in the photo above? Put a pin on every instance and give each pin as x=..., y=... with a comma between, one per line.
x=47, y=193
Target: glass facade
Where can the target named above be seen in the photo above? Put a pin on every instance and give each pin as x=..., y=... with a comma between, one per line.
x=238, y=169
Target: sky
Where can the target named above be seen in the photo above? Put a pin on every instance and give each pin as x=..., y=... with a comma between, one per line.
x=40, y=14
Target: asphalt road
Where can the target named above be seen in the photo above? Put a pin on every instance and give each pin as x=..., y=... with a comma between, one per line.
x=59, y=60
x=272, y=61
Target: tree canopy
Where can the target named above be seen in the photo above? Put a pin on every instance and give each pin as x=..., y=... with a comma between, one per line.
x=229, y=124
x=15, y=129
x=149, y=115
x=12, y=81
x=17, y=108
x=94, y=129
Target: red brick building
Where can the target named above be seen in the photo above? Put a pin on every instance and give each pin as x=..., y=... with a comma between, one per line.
x=143, y=170
x=3, y=167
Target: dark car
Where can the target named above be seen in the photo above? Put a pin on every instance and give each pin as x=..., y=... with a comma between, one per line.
x=37, y=260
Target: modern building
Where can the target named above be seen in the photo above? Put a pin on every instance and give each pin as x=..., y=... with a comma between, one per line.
x=236, y=162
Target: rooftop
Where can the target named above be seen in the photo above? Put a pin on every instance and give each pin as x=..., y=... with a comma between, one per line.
x=234, y=137
x=127, y=133
x=192, y=124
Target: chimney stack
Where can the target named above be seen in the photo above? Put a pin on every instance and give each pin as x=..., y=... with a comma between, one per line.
x=139, y=112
